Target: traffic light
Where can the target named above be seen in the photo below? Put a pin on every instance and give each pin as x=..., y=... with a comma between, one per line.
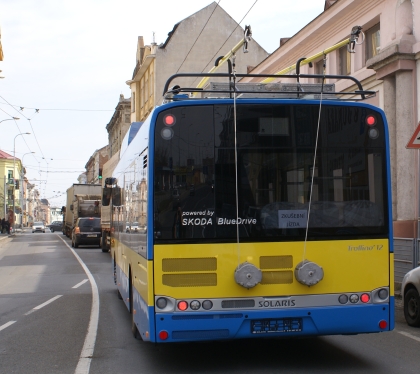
x=100, y=174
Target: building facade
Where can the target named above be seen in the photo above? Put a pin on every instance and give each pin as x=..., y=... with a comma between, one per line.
x=387, y=62
x=10, y=186
x=192, y=46
x=95, y=165
x=118, y=125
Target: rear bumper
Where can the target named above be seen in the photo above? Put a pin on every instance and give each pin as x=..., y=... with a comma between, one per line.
x=84, y=239
x=314, y=321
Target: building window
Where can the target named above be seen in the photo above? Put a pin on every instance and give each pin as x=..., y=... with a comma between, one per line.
x=373, y=41
x=344, y=61
x=127, y=118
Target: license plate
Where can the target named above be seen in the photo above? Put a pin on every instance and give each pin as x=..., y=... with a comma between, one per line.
x=92, y=236
x=264, y=326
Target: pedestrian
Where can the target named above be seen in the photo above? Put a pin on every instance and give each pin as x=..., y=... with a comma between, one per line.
x=7, y=225
x=3, y=222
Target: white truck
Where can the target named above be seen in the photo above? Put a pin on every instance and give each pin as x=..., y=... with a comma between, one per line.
x=83, y=200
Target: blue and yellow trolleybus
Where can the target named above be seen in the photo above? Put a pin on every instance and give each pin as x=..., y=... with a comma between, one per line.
x=262, y=210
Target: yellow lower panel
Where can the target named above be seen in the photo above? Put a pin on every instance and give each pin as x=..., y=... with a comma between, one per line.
x=142, y=269
x=349, y=266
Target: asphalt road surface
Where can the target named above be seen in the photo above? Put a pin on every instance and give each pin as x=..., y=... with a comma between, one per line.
x=49, y=314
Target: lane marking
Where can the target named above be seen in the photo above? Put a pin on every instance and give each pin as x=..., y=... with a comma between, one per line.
x=7, y=325
x=85, y=359
x=408, y=335
x=42, y=305
x=47, y=302
x=82, y=282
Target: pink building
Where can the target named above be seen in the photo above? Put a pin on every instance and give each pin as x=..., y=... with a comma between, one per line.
x=388, y=62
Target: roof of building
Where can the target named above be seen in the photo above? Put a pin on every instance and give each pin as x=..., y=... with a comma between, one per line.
x=5, y=155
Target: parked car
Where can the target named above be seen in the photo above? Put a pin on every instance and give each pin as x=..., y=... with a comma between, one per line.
x=86, y=231
x=134, y=227
x=38, y=227
x=56, y=226
x=410, y=291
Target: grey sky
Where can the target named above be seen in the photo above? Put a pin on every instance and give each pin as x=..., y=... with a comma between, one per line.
x=78, y=55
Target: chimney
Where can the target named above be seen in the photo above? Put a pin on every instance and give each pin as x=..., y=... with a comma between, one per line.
x=328, y=3
x=283, y=40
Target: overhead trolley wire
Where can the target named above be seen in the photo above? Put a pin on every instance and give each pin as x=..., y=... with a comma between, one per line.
x=239, y=23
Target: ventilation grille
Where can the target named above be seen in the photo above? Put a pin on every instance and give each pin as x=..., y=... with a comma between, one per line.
x=277, y=277
x=189, y=264
x=190, y=280
x=276, y=262
x=238, y=303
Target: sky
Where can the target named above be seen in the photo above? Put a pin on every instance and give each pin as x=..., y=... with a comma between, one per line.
x=67, y=62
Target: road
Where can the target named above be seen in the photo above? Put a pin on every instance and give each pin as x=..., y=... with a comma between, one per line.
x=46, y=312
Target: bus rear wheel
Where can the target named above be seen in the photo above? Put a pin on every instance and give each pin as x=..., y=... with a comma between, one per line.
x=412, y=307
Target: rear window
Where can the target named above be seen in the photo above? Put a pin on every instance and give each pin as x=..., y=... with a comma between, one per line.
x=39, y=223
x=96, y=222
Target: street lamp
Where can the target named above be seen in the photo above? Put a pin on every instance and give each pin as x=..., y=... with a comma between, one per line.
x=10, y=119
x=14, y=170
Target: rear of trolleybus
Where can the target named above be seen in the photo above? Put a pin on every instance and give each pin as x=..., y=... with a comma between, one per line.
x=273, y=218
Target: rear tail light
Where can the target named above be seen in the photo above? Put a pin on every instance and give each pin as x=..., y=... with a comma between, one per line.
x=182, y=305
x=370, y=120
x=77, y=230
x=383, y=294
x=354, y=298
x=365, y=298
x=207, y=304
x=161, y=303
x=383, y=324
x=163, y=335
x=169, y=120
x=343, y=299
x=195, y=305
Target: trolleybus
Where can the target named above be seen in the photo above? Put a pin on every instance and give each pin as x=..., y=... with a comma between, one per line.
x=263, y=210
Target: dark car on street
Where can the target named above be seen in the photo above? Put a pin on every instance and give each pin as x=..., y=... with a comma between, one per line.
x=86, y=231
x=56, y=226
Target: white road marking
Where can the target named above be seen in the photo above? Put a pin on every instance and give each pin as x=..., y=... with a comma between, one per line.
x=85, y=359
x=6, y=325
x=47, y=302
x=408, y=335
x=79, y=284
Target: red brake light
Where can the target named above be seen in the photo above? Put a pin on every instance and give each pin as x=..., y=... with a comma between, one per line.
x=77, y=230
x=169, y=120
x=182, y=305
x=365, y=298
x=383, y=324
x=370, y=120
x=163, y=335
